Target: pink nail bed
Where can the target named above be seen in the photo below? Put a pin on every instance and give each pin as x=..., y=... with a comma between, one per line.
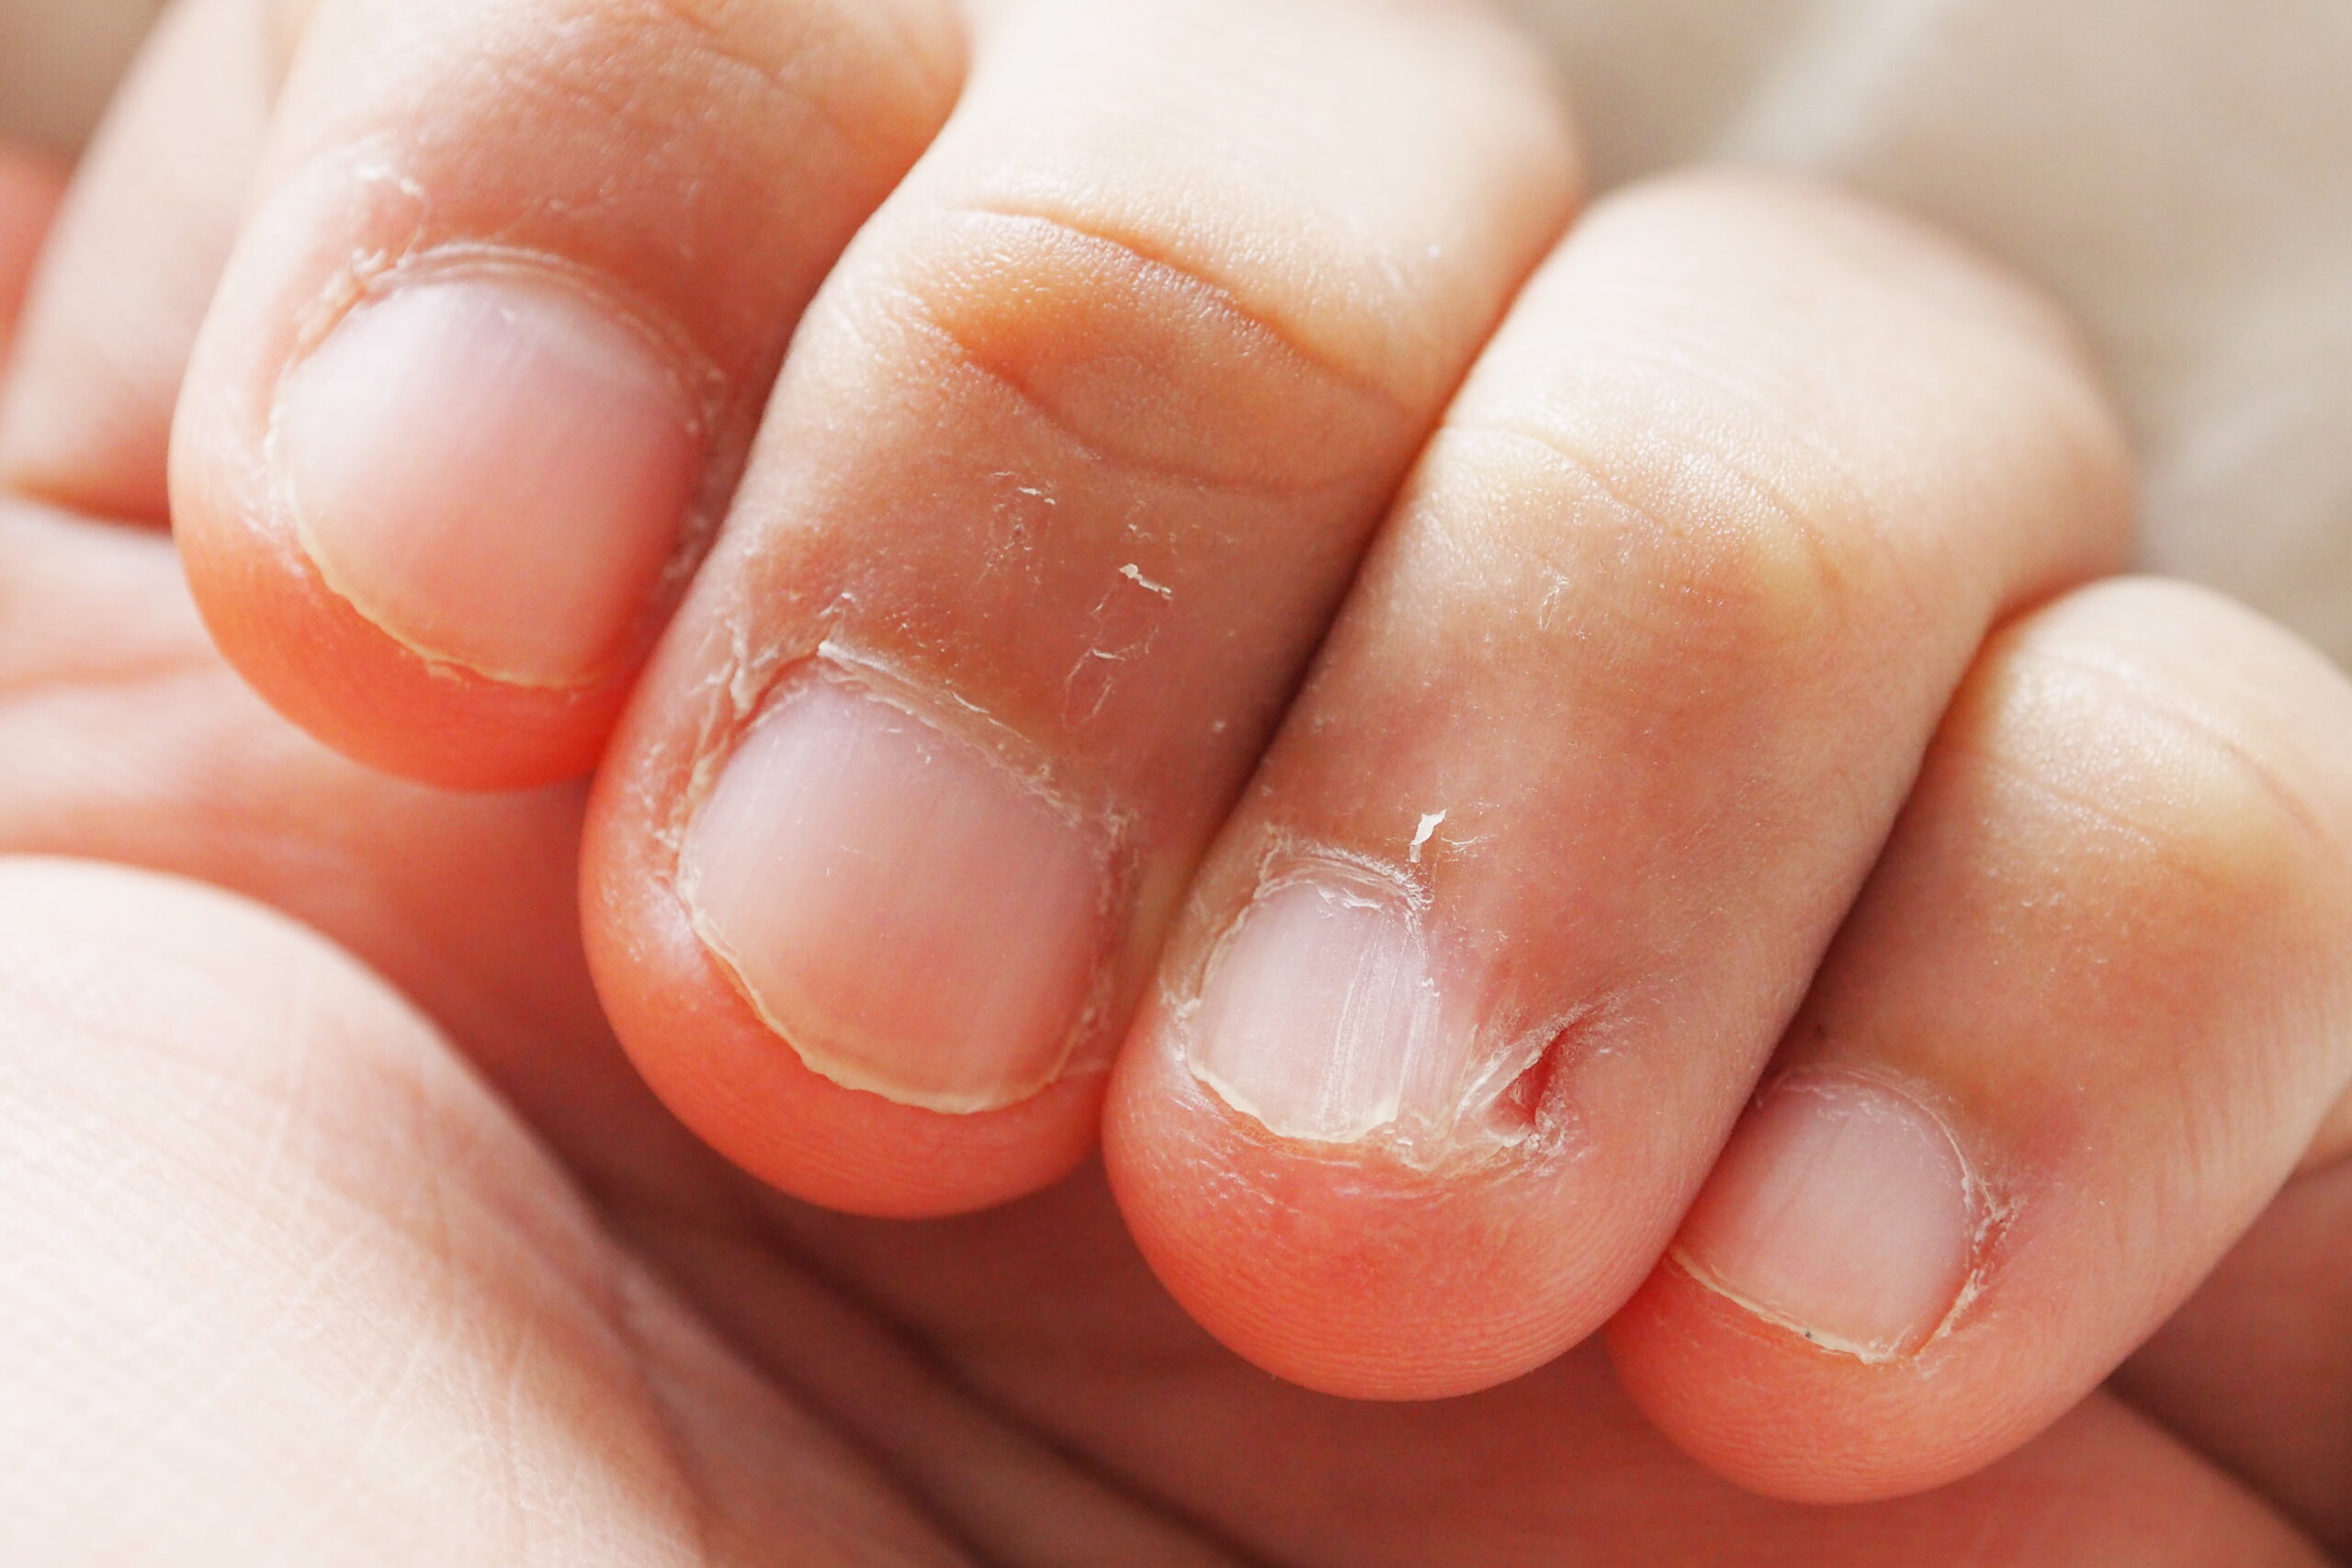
x=1842, y=1210
x=494, y=468
x=910, y=914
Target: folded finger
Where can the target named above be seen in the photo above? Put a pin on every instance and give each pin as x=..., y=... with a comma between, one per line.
x=2086, y=1019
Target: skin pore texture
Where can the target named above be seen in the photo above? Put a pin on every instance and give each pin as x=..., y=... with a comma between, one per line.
x=1717, y=787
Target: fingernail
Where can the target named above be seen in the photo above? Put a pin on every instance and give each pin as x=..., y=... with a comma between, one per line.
x=1318, y=1016
x=1842, y=1211
x=494, y=469
x=910, y=915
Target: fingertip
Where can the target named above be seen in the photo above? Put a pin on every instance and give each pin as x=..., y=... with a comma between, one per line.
x=327, y=669
x=1348, y=1269
x=1777, y=1414
x=748, y=1095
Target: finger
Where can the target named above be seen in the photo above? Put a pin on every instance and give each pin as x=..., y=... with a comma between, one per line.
x=85, y=415
x=129, y=741
x=2256, y=1368
x=2084, y=1021
x=1045, y=1304
x=1481, y=973
x=30, y=187
x=1065, y=473
x=490, y=346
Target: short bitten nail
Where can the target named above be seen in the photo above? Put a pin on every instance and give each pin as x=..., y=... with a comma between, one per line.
x=493, y=469
x=1842, y=1211
x=910, y=915
x=1319, y=1017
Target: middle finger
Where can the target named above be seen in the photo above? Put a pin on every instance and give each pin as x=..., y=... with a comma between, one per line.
x=1476, y=981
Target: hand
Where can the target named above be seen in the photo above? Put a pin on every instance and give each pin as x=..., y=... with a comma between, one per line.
x=1894, y=277
x=299, y=1275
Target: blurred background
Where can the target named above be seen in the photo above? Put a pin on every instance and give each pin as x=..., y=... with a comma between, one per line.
x=57, y=63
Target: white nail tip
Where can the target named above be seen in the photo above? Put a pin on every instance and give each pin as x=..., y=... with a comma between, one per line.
x=1870, y=1353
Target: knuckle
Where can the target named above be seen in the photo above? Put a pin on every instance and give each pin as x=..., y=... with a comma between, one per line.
x=2167, y=805
x=863, y=69
x=1691, y=557
x=2151, y=860
x=612, y=96
x=1143, y=361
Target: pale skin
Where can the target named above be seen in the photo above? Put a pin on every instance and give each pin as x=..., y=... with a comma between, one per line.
x=1432, y=794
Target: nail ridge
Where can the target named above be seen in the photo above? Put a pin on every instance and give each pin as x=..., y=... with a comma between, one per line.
x=1399, y=1075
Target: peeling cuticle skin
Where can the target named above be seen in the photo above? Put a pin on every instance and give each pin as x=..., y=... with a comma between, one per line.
x=1323, y=1017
